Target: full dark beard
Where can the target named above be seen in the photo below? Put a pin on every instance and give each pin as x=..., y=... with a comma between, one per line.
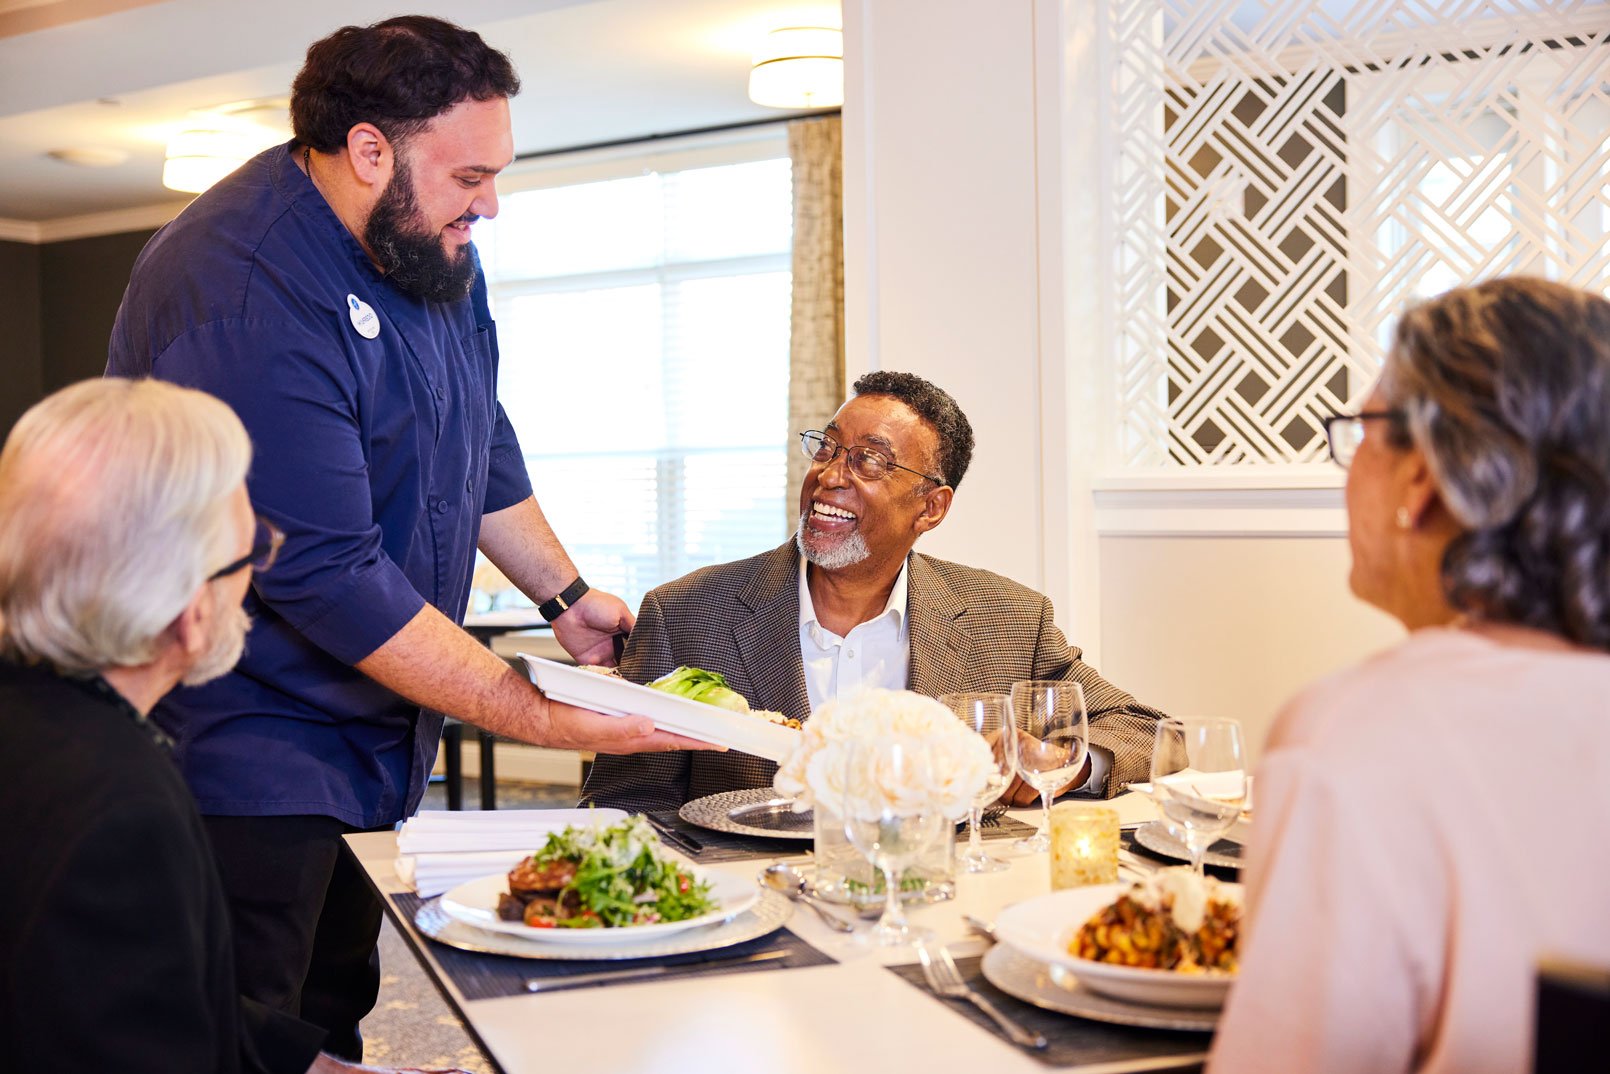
x=414, y=260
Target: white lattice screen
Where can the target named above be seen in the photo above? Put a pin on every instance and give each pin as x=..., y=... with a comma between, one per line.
x=1290, y=174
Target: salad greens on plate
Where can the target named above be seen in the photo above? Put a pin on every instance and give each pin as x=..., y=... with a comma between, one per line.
x=603, y=877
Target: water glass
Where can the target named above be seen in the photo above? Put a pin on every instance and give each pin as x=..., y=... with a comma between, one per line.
x=890, y=819
x=988, y=715
x=1199, y=779
x=1051, y=737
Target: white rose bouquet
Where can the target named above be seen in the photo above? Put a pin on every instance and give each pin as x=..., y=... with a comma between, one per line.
x=961, y=761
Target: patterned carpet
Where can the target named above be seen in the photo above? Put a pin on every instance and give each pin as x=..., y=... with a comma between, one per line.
x=411, y=1024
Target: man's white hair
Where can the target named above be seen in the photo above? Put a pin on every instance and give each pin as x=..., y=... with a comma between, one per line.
x=114, y=509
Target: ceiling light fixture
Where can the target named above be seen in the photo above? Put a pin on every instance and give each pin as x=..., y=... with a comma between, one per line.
x=799, y=67
x=198, y=158
x=219, y=140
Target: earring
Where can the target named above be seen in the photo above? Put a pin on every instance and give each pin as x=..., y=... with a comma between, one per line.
x=1403, y=518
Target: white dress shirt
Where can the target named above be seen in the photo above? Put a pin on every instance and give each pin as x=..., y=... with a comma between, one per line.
x=876, y=653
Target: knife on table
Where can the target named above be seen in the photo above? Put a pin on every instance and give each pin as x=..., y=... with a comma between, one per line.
x=645, y=973
x=675, y=835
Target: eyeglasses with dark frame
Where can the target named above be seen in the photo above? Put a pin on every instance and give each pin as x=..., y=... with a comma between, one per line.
x=1345, y=432
x=266, y=541
x=869, y=464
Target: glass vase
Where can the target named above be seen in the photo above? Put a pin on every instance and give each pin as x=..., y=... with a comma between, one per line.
x=844, y=875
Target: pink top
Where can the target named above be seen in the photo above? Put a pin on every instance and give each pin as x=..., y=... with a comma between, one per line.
x=1427, y=825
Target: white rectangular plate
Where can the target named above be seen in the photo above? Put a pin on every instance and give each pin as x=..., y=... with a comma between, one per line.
x=617, y=697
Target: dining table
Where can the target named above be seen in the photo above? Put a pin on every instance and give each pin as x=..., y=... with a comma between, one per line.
x=850, y=1006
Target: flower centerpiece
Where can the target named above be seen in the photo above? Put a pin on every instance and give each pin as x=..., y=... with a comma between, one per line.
x=817, y=777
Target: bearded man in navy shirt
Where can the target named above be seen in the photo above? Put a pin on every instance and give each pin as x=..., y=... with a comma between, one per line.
x=329, y=293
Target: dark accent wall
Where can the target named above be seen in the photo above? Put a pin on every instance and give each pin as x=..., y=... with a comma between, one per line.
x=57, y=305
x=81, y=286
x=19, y=331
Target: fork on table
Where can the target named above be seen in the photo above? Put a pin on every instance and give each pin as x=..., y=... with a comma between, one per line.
x=946, y=980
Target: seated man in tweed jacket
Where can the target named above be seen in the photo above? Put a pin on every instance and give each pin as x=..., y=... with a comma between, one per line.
x=848, y=604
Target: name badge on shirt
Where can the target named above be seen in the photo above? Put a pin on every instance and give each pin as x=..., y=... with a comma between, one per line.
x=363, y=317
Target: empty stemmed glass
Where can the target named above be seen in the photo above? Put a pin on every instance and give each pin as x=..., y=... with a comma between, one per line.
x=890, y=819
x=989, y=715
x=1049, y=743
x=1199, y=779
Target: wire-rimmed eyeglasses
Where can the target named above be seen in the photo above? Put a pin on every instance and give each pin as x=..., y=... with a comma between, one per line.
x=266, y=541
x=1345, y=432
x=869, y=464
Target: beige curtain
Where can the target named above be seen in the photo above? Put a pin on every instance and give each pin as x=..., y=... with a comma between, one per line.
x=816, y=339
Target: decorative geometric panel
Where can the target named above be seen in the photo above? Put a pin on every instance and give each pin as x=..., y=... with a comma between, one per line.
x=1287, y=176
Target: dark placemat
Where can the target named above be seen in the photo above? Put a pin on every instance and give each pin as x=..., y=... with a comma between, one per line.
x=483, y=976
x=1221, y=872
x=715, y=847
x=1073, y=1042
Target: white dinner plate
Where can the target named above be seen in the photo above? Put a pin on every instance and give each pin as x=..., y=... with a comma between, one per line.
x=769, y=913
x=617, y=697
x=476, y=903
x=1053, y=988
x=1042, y=927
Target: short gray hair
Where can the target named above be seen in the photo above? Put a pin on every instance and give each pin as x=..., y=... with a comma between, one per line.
x=1505, y=386
x=114, y=509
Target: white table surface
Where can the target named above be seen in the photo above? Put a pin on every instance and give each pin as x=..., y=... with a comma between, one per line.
x=854, y=1015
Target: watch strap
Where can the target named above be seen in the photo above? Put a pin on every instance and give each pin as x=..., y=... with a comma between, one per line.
x=554, y=607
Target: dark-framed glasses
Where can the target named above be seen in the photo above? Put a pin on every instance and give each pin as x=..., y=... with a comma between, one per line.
x=266, y=541
x=869, y=464
x=1345, y=432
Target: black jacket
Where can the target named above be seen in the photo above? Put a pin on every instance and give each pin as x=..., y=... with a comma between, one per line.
x=115, y=950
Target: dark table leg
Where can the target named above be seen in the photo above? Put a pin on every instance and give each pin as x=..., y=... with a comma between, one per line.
x=489, y=779
x=453, y=755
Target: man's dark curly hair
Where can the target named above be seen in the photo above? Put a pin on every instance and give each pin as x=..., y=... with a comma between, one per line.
x=1505, y=386
x=934, y=406
x=398, y=74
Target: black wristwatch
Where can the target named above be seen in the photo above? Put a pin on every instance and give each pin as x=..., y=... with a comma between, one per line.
x=555, y=607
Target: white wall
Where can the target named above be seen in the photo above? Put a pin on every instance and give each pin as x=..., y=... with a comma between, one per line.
x=1231, y=626
x=945, y=255
x=975, y=256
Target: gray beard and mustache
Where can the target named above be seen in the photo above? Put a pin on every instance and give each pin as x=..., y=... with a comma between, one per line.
x=845, y=552
x=414, y=260
x=224, y=649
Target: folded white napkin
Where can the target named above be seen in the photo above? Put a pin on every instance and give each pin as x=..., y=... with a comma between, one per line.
x=439, y=850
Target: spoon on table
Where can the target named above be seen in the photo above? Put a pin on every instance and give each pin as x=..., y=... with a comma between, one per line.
x=788, y=880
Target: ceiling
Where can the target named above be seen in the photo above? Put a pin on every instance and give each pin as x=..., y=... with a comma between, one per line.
x=123, y=75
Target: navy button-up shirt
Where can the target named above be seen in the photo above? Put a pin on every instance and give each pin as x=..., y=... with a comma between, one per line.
x=374, y=417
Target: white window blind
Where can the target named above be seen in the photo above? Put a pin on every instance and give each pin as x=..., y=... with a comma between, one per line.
x=643, y=323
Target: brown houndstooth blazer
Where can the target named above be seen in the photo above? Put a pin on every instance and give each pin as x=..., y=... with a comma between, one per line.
x=970, y=630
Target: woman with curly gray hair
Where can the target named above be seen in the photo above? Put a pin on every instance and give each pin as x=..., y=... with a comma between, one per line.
x=1427, y=820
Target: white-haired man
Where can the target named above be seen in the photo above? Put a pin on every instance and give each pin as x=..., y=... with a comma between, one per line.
x=126, y=545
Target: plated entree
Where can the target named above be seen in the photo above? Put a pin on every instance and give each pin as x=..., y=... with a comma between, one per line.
x=603, y=877
x=1170, y=920
x=705, y=687
x=712, y=688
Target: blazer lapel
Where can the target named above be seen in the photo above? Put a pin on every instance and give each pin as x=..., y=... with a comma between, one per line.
x=941, y=647
x=768, y=638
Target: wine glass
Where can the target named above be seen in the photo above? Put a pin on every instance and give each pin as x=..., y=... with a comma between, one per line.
x=1051, y=736
x=890, y=819
x=989, y=715
x=1199, y=779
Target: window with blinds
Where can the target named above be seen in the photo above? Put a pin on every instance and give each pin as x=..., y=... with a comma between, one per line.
x=643, y=322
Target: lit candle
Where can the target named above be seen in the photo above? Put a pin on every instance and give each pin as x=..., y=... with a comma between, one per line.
x=1084, y=845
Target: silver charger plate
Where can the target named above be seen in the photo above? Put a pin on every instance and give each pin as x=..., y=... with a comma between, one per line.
x=1052, y=988
x=759, y=811
x=1155, y=837
x=766, y=915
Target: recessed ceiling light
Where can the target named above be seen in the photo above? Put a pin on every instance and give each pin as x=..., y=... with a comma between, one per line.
x=90, y=156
